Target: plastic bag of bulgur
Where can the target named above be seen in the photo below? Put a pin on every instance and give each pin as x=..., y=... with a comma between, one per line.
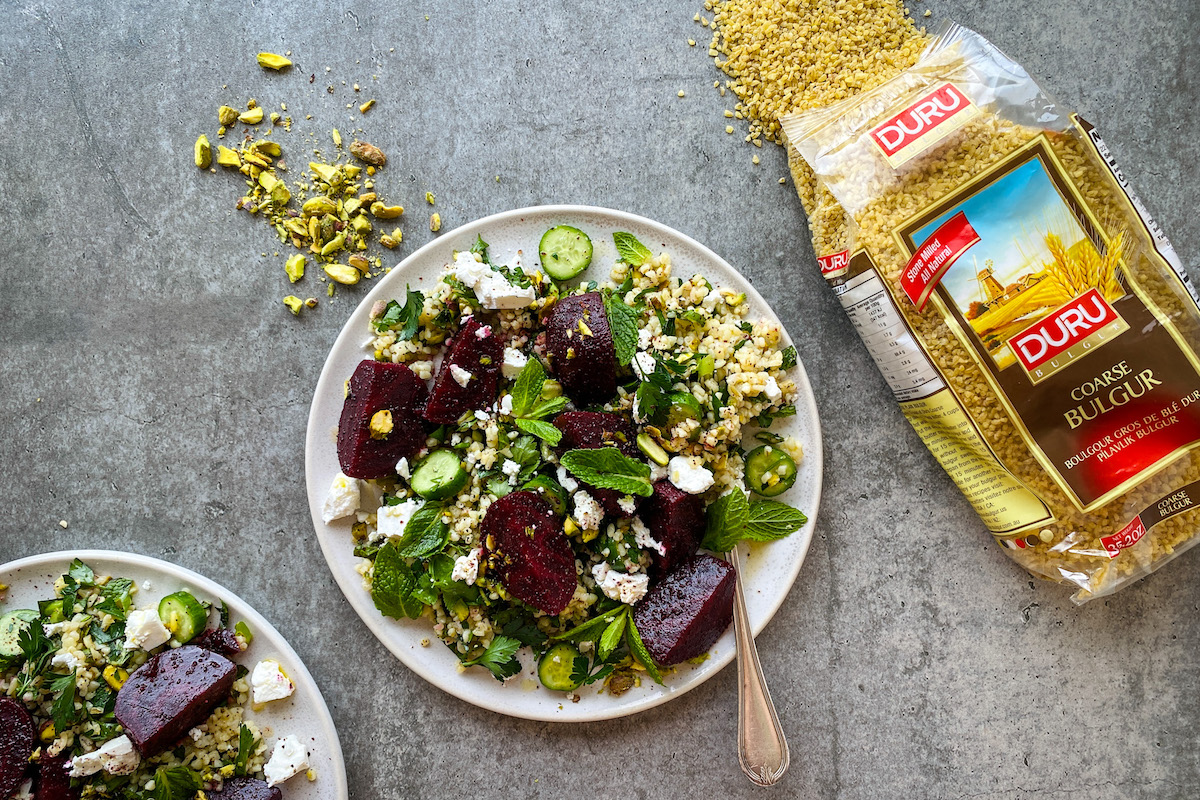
x=1035, y=325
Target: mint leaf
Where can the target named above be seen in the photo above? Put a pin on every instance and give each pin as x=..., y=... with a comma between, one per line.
x=499, y=658
x=765, y=419
x=769, y=520
x=630, y=250
x=623, y=324
x=424, y=534
x=612, y=635
x=392, y=585
x=789, y=357
x=246, y=744
x=609, y=468
x=116, y=598
x=726, y=523
x=63, y=709
x=82, y=573
x=548, y=408
x=404, y=319
x=480, y=248
x=543, y=430
x=638, y=650
x=527, y=391
x=588, y=631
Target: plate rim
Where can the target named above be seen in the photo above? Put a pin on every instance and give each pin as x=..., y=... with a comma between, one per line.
x=296, y=665
x=352, y=588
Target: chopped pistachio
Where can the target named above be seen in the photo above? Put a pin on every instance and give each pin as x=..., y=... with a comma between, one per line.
x=334, y=244
x=227, y=157
x=366, y=198
x=327, y=173
x=270, y=148
x=227, y=115
x=311, y=302
x=203, y=152
x=381, y=424
x=316, y=206
x=251, y=117
x=293, y=303
x=380, y=211
x=342, y=274
x=429, y=198
x=368, y=153
x=388, y=241
x=361, y=225
x=359, y=263
x=435, y=222
x=337, y=138
x=295, y=267
x=365, y=107
x=272, y=61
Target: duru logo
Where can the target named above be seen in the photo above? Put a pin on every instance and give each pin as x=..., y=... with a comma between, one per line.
x=926, y=122
x=834, y=265
x=1073, y=324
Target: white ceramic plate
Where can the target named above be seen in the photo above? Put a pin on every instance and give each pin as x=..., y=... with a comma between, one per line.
x=303, y=714
x=770, y=569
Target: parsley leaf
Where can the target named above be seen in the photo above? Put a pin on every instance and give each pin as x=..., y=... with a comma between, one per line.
x=63, y=710
x=543, y=430
x=175, y=783
x=638, y=650
x=630, y=250
x=516, y=624
x=404, y=319
x=116, y=598
x=582, y=674
x=392, y=585
x=81, y=573
x=246, y=744
x=789, y=357
x=425, y=533
x=500, y=658
x=765, y=419
x=726, y=523
x=623, y=324
x=609, y=468
x=769, y=520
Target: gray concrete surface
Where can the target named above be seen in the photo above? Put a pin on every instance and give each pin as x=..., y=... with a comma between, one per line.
x=154, y=392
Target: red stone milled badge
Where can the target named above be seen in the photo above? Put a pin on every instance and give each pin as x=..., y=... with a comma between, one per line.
x=935, y=256
x=929, y=120
x=1066, y=334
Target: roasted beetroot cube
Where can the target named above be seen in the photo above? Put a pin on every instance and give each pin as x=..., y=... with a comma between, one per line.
x=53, y=779
x=676, y=520
x=524, y=545
x=16, y=745
x=687, y=611
x=581, y=348
x=170, y=694
x=381, y=386
x=470, y=374
x=589, y=430
x=246, y=789
x=219, y=640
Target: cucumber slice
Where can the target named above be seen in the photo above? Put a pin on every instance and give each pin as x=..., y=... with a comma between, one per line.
x=183, y=615
x=11, y=626
x=565, y=252
x=51, y=610
x=769, y=471
x=439, y=476
x=556, y=666
x=547, y=487
x=684, y=406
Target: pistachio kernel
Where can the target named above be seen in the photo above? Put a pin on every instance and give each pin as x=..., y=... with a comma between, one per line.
x=359, y=263
x=365, y=107
x=272, y=61
x=435, y=222
x=381, y=424
x=251, y=117
x=337, y=138
x=347, y=276
x=380, y=211
x=295, y=267
x=227, y=157
x=227, y=115
x=293, y=303
x=203, y=152
x=367, y=153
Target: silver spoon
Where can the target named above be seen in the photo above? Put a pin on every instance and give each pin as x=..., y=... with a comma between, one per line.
x=762, y=748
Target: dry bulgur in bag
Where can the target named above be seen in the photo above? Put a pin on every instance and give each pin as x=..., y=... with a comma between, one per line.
x=1033, y=322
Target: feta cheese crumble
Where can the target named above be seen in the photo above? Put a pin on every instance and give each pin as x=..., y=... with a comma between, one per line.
x=493, y=289
x=643, y=364
x=402, y=469
x=657, y=472
x=269, y=682
x=772, y=390
x=627, y=504
x=566, y=481
x=466, y=568
x=460, y=375
x=390, y=520
x=288, y=759
x=344, y=496
x=688, y=476
x=514, y=362
x=143, y=629
x=512, y=469
x=66, y=660
x=116, y=757
x=620, y=586
x=506, y=405
x=588, y=513
x=644, y=539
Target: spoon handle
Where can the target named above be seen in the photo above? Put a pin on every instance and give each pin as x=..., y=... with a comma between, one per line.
x=762, y=748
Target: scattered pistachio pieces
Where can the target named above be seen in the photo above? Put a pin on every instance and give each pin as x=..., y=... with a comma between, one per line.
x=367, y=153
x=381, y=424
x=203, y=152
x=337, y=138
x=272, y=61
x=295, y=267
x=429, y=198
x=388, y=242
x=359, y=263
x=227, y=157
x=293, y=303
x=435, y=222
x=227, y=115
x=251, y=117
x=365, y=107
x=311, y=302
x=347, y=276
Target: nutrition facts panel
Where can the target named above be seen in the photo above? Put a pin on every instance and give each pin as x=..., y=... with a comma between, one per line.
x=907, y=370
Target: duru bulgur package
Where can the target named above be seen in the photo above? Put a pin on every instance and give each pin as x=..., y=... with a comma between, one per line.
x=1033, y=322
